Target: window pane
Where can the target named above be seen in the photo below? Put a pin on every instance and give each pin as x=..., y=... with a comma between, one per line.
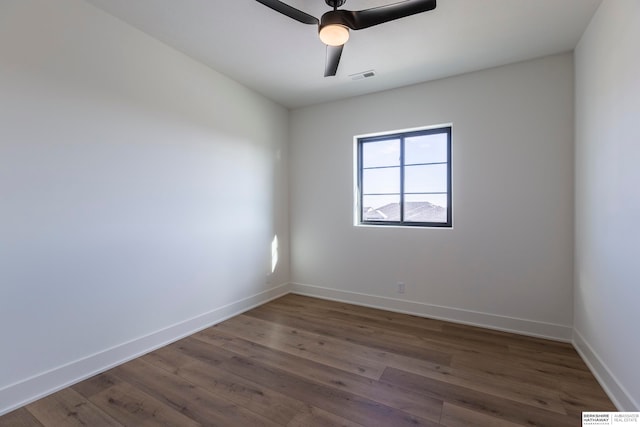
x=425, y=208
x=385, y=180
x=381, y=153
x=403, y=178
x=425, y=179
x=381, y=208
x=426, y=149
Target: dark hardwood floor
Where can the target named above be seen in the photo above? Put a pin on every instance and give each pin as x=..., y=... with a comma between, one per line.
x=300, y=361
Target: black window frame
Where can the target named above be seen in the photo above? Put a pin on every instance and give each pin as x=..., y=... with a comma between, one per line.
x=402, y=135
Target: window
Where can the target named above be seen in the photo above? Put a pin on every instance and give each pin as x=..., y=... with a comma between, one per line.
x=404, y=178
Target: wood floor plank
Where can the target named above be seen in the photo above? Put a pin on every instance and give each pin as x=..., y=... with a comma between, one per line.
x=369, y=361
x=457, y=416
x=456, y=346
x=522, y=368
x=386, y=394
x=589, y=392
x=168, y=358
x=554, y=358
x=299, y=361
x=290, y=340
x=319, y=418
x=305, y=303
x=591, y=397
x=522, y=392
x=19, y=418
x=342, y=403
x=183, y=396
x=69, y=408
x=505, y=368
x=280, y=408
x=370, y=317
x=468, y=332
x=133, y=407
x=262, y=400
x=362, y=333
x=96, y=384
x=502, y=408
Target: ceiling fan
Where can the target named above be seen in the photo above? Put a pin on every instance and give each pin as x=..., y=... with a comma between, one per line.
x=333, y=26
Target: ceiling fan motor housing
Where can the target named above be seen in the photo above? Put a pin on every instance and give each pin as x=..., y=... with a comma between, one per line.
x=346, y=18
x=337, y=17
x=335, y=3
x=329, y=18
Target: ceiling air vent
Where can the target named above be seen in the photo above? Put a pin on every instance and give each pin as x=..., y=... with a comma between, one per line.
x=363, y=75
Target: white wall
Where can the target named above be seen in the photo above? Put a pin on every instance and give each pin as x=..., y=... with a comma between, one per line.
x=140, y=191
x=508, y=261
x=139, y=194
x=607, y=271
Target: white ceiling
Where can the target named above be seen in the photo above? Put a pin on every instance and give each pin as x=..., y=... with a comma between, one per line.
x=284, y=59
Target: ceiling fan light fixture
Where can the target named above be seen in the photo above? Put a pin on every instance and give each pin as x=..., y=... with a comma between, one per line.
x=334, y=25
x=334, y=34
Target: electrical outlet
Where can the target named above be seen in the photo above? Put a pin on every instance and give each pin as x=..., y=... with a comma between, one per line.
x=401, y=288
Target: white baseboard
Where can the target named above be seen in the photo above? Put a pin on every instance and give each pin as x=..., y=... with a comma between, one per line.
x=34, y=388
x=502, y=323
x=611, y=385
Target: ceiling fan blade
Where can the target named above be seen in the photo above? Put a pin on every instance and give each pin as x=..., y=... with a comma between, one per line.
x=333, y=59
x=359, y=19
x=289, y=11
